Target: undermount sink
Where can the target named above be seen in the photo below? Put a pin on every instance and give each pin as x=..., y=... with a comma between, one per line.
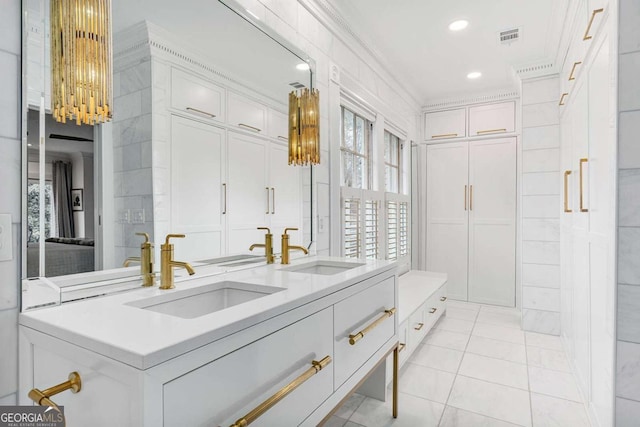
x=326, y=268
x=232, y=259
x=190, y=304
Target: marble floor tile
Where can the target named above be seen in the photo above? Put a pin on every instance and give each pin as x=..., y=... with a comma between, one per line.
x=454, y=325
x=444, y=359
x=553, y=412
x=492, y=400
x=464, y=305
x=508, y=319
x=494, y=370
x=447, y=339
x=426, y=383
x=545, y=341
x=461, y=313
x=500, y=333
x=349, y=407
x=548, y=359
x=351, y=424
x=335, y=422
x=553, y=383
x=412, y=412
x=454, y=417
x=497, y=349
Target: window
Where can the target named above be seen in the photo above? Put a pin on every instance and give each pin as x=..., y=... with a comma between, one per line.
x=397, y=229
x=371, y=238
x=351, y=228
x=392, y=161
x=354, y=147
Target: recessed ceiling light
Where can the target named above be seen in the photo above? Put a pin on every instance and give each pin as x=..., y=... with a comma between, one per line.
x=303, y=66
x=458, y=25
x=474, y=75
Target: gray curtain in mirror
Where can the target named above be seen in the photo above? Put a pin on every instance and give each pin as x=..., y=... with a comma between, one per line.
x=62, y=199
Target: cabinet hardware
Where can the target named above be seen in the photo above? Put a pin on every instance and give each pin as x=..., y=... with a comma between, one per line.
x=267, y=200
x=224, y=192
x=420, y=326
x=471, y=197
x=284, y=138
x=401, y=347
x=443, y=299
x=444, y=135
x=353, y=339
x=564, y=95
x=465, y=197
x=195, y=110
x=273, y=201
x=433, y=310
x=282, y=393
x=573, y=70
x=43, y=397
x=253, y=128
x=482, y=132
x=588, y=36
x=582, y=208
x=566, y=192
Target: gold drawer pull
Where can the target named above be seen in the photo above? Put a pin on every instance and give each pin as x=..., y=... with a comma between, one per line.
x=195, y=110
x=401, y=347
x=588, y=36
x=582, y=208
x=573, y=70
x=444, y=135
x=282, y=393
x=353, y=339
x=566, y=192
x=253, y=128
x=420, y=326
x=433, y=310
x=443, y=299
x=43, y=397
x=564, y=95
x=482, y=132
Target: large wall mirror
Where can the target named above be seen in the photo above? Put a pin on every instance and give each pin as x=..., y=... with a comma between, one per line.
x=197, y=144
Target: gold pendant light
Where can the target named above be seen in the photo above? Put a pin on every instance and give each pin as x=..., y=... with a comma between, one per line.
x=81, y=72
x=304, y=127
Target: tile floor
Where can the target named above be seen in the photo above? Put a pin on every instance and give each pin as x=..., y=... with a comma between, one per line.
x=478, y=368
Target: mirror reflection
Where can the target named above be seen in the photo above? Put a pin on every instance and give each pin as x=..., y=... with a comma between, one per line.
x=197, y=144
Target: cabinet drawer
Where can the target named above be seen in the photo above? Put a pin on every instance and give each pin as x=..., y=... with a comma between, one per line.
x=403, y=336
x=226, y=389
x=196, y=96
x=419, y=325
x=352, y=315
x=445, y=124
x=278, y=125
x=247, y=114
x=492, y=119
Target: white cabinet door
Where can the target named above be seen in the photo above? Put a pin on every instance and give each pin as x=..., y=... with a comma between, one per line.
x=492, y=221
x=197, y=188
x=447, y=214
x=247, y=114
x=285, y=192
x=492, y=119
x=248, y=194
x=445, y=124
x=580, y=148
x=196, y=96
x=566, y=188
x=278, y=125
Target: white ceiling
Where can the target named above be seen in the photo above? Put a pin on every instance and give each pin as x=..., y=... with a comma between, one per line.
x=414, y=42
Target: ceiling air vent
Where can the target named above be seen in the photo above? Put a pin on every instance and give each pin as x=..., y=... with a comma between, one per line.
x=509, y=36
x=297, y=85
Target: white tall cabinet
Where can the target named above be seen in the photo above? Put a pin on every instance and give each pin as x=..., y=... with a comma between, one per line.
x=471, y=218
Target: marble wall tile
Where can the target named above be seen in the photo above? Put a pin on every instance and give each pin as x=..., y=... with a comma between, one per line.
x=542, y=276
x=628, y=371
x=628, y=200
x=9, y=350
x=541, y=253
x=9, y=95
x=628, y=146
x=546, y=160
x=628, y=82
x=539, y=137
x=629, y=255
x=629, y=313
x=136, y=182
x=136, y=77
x=541, y=229
x=543, y=322
x=135, y=130
x=543, y=183
x=629, y=26
x=131, y=157
x=539, y=91
x=627, y=412
x=542, y=114
x=127, y=106
x=540, y=206
x=546, y=299
x=10, y=271
x=10, y=177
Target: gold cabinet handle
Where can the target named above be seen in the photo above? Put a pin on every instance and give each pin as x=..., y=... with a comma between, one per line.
x=582, y=208
x=282, y=393
x=43, y=397
x=401, y=347
x=444, y=135
x=465, y=197
x=566, y=192
x=443, y=299
x=253, y=128
x=420, y=326
x=353, y=339
x=195, y=110
x=224, y=193
x=573, y=70
x=471, y=197
x=564, y=95
x=588, y=36
x=482, y=132
x=433, y=310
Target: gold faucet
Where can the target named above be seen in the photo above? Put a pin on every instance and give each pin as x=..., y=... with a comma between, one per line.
x=286, y=248
x=146, y=261
x=268, y=245
x=167, y=263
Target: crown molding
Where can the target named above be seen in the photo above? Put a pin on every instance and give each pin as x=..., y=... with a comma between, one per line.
x=459, y=101
x=536, y=69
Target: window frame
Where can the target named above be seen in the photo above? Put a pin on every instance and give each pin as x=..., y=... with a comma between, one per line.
x=366, y=155
x=387, y=162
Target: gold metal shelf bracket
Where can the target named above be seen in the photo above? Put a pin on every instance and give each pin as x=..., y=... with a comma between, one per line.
x=353, y=339
x=43, y=397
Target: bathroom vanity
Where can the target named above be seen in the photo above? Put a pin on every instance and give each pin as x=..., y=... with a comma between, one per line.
x=213, y=350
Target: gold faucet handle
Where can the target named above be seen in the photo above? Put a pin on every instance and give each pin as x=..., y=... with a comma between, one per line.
x=290, y=229
x=173, y=236
x=265, y=228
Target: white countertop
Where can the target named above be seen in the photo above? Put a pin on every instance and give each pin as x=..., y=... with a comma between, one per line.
x=144, y=338
x=414, y=288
